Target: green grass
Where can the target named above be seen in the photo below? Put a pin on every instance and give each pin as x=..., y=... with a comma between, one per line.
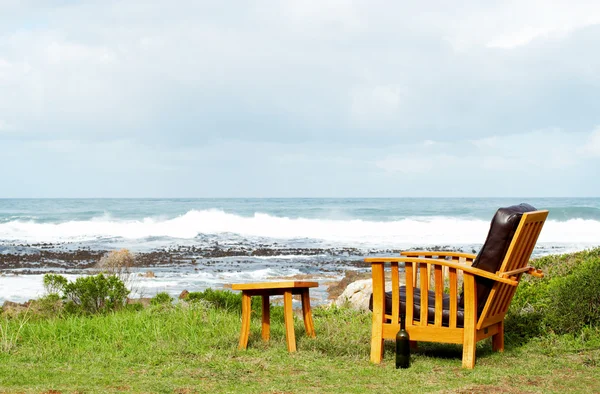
x=194, y=349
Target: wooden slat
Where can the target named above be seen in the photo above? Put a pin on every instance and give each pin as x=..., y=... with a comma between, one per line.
x=489, y=321
x=510, y=292
x=449, y=263
x=439, y=254
x=516, y=257
x=453, y=297
x=273, y=285
x=524, y=249
x=500, y=299
x=493, y=300
x=513, y=272
x=435, y=334
x=521, y=255
x=424, y=295
x=415, y=274
x=439, y=294
x=530, y=217
x=492, y=330
x=535, y=230
x=395, y=293
x=409, y=274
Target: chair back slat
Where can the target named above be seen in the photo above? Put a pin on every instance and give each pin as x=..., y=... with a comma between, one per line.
x=410, y=270
x=517, y=256
x=453, y=297
x=438, y=278
x=424, y=285
x=503, y=295
x=523, y=241
x=395, y=292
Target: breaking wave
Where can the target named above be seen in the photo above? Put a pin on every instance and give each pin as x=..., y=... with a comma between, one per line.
x=194, y=223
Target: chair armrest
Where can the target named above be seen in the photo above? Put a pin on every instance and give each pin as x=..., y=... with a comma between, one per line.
x=446, y=263
x=429, y=253
x=527, y=270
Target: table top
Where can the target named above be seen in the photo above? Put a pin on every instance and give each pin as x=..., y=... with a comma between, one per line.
x=274, y=285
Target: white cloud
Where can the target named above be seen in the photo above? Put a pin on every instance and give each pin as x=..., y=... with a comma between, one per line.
x=359, y=83
x=405, y=165
x=518, y=38
x=501, y=163
x=488, y=142
x=516, y=23
x=64, y=53
x=375, y=105
x=324, y=15
x=592, y=144
x=4, y=126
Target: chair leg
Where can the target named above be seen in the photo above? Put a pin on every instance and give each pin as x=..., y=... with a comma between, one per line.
x=470, y=321
x=469, y=346
x=498, y=339
x=378, y=315
x=376, y=350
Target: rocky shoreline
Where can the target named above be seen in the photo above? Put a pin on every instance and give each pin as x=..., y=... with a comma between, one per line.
x=176, y=268
x=40, y=258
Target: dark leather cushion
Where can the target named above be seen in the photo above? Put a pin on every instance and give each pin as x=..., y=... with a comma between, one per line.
x=417, y=306
x=502, y=229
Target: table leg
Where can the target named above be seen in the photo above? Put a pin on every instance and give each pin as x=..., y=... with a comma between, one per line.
x=246, y=309
x=308, y=321
x=289, y=321
x=266, y=317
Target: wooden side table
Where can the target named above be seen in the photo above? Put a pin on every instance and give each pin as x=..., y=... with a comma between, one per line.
x=267, y=289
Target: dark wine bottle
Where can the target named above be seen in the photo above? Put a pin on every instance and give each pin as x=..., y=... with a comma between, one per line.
x=402, y=345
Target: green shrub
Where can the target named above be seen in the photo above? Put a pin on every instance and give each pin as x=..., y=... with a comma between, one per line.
x=565, y=301
x=54, y=284
x=96, y=293
x=575, y=299
x=161, y=298
x=88, y=294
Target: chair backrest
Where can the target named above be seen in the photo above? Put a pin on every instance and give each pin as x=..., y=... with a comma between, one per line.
x=494, y=250
x=516, y=258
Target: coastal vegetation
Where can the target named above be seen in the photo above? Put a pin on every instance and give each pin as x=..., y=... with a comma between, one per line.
x=106, y=345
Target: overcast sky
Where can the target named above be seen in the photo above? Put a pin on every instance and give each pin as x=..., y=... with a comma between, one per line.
x=306, y=98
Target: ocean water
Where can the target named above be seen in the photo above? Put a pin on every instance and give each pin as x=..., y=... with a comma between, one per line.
x=319, y=237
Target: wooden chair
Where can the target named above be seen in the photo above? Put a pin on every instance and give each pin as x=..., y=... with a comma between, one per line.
x=490, y=280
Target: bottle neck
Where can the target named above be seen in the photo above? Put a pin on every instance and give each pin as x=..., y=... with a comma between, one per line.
x=403, y=322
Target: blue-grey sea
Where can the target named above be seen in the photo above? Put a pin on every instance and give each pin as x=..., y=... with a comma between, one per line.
x=319, y=237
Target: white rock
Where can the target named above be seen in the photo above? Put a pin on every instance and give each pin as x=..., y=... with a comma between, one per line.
x=357, y=294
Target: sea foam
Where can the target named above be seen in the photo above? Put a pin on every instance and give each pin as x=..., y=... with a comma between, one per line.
x=416, y=230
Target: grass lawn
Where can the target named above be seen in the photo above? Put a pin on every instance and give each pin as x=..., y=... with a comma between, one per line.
x=175, y=349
